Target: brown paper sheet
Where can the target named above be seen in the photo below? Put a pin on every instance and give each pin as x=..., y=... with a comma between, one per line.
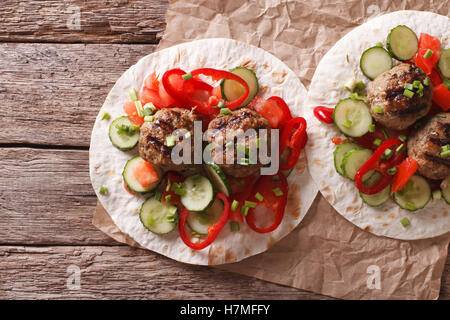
x=326, y=254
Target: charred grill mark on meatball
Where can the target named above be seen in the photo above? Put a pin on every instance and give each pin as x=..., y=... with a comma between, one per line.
x=159, y=145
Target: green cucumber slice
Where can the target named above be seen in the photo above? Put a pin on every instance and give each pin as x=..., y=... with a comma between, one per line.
x=446, y=191
x=199, y=193
x=131, y=181
x=199, y=222
x=339, y=154
x=374, y=61
x=415, y=195
x=158, y=217
x=402, y=43
x=444, y=63
x=352, y=117
x=232, y=90
x=122, y=141
x=353, y=161
x=218, y=178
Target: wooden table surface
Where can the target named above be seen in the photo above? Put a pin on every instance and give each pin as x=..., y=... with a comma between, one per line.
x=54, y=77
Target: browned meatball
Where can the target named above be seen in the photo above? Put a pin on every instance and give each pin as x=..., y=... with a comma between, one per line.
x=386, y=92
x=235, y=124
x=153, y=144
x=425, y=146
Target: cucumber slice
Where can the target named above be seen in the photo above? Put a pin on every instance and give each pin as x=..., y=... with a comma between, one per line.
x=122, y=141
x=200, y=221
x=339, y=154
x=232, y=90
x=444, y=63
x=415, y=195
x=377, y=199
x=402, y=43
x=446, y=191
x=199, y=193
x=218, y=178
x=353, y=161
x=374, y=61
x=158, y=217
x=352, y=117
x=131, y=181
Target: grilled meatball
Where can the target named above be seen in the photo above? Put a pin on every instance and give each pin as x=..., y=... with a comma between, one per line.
x=152, y=141
x=231, y=125
x=386, y=92
x=424, y=145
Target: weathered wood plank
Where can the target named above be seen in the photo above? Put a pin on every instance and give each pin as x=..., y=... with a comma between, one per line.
x=46, y=198
x=51, y=93
x=93, y=21
x=123, y=273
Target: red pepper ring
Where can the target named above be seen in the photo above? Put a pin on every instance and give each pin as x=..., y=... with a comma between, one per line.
x=270, y=201
x=213, y=230
x=324, y=114
x=176, y=94
x=197, y=93
x=216, y=75
x=374, y=164
x=294, y=137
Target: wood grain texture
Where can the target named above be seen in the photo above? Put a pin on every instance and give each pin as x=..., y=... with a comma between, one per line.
x=100, y=21
x=51, y=93
x=124, y=273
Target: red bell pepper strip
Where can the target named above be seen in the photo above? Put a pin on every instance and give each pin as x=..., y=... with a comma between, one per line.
x=404, y=172
x=173, y=84
x=376, y=163
x=274, y=202
x=196, y=94
x=324, y=114
x=293, y=139
x=213, y=230
x=216, y=75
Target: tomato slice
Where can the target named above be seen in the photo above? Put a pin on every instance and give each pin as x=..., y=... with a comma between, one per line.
x=145, y=174
x=429, y=42
x=435, y=77
x=149, y=95
x=170, y=179
x=441, y=97
x=130, y=109
x=404, y=172
x=426, y=64
x=273, y=109
x=152, y=82
x=166, y=99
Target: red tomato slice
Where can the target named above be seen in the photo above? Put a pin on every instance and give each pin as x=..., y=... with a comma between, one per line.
x=149, y=95
x=404, y=172
x=166, y=99
x=429, y=42
x=152, y=82
x=130, y=109
x=270, y=110
x=435, y=77
x=426, y=64
x=441, y=97
x=173, y=177
x=145, y=174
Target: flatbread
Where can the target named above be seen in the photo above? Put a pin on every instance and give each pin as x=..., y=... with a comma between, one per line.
x=326, y=90
x=106, y=162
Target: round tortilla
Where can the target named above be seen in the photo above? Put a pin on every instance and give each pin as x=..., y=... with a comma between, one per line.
x=106, y=162
x=326, y=90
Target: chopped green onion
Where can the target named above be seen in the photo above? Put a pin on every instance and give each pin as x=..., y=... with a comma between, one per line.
x=168, y=198
x=392, y=171
x=228, y=144
x=158, y=195
x=169, y=185
x=402, y=137
x=243, y=162
x=417, y=84
x=278, y=192
x=250, y=204
x=400, y=148
x=347, y=123
x=234, y=226
x=170, y=141
x=428, y=54
x=187, y=76
x=379, y=44
x=149, y=109
x=221, y=104
x=234, y=205
x=350, y=85
x=259, y=196
x=149, y=118
x=377, y=142
x=437, y=195
x=178, y=189
x=378, y=110
x=356, y=96
x=405, y=222
x=187, y=135
x=372, y=128
x=347, y=58
x=408, y=93
x=445, y=154
x=387, y=154
x=426, y=82
x=129, y=130
x=441, y=115
x=257, y=143
x=133, y=94
x=106, y=116
x=103, y=190
x=225, y=111
x=409, y=86
x=244, y=210
x=410, y=206
x=139, y=108
x=446, y=147
x=360, y=86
